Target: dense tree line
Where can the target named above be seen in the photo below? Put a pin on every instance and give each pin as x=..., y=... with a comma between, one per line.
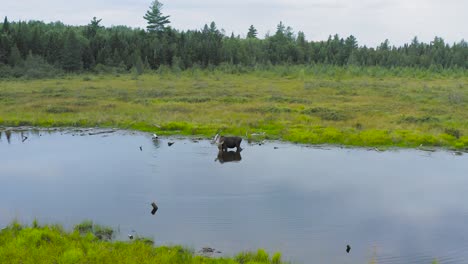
x=35, y=45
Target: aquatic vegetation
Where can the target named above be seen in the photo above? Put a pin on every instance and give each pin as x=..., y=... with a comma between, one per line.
x=308, y=104
x=51, y=244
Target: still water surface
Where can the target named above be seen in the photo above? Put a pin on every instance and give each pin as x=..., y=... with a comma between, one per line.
x=404, y=206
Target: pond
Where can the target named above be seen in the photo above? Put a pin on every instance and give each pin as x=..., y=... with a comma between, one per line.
x=401, y=206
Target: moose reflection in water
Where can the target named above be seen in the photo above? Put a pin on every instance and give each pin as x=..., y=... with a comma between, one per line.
x=228, y=156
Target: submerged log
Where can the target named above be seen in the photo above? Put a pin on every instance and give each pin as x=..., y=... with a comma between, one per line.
x=101, y=132
x=155, y=208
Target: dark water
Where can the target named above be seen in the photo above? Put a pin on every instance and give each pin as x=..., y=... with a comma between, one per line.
x=404, y=206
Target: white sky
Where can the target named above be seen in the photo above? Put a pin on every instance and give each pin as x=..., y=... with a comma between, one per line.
x=370, y=21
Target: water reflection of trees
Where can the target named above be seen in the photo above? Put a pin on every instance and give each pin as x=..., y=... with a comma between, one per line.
x=23, y=135
x=228, y=156
x=8, y=136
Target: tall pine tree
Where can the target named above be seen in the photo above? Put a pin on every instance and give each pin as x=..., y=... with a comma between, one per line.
x=156, y=21
x=6, y=26
x=71, y=54
x=252, y=32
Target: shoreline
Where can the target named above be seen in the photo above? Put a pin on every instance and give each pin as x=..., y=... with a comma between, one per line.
x=91, y=243
x=90, y=131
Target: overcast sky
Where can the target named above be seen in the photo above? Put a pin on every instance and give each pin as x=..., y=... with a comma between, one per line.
x=370, y=21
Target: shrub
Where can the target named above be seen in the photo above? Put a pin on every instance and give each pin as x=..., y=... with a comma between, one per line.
x=453, y=132
x=58, y=109
x=423, y=119
x=84, y=227
x=101, y=232
x=326, y=114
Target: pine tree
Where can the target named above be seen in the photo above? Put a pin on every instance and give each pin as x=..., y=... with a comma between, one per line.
x=280, y=29
x=93, y=27
x=351, y=43
x=156, y=21
x=252, y=32
x=4, y=46
x=6, y=26
x=15, y=56
x=349, y=47
x=138, y=63
x=71, y=56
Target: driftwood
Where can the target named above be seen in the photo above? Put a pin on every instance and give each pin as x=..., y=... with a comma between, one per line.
x=101, y=132
x=208, y=252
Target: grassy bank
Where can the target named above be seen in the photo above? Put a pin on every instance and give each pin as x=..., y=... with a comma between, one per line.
x=91, y=244
x=348, y=106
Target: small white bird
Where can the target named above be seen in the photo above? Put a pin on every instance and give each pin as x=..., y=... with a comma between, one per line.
x=154, y=136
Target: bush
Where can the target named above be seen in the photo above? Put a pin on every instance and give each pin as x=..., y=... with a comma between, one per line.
x=326, y=114
x=58, y=109
x=101, y=232
x=453, y=132
x=34, y=67
x=5, y=71
x=413, y=119
x=84, y=227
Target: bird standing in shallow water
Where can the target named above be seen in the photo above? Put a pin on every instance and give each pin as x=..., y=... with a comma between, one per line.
x=348, y=248
x=154, y=137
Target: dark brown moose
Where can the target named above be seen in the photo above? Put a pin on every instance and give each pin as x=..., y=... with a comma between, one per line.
x=229, y=142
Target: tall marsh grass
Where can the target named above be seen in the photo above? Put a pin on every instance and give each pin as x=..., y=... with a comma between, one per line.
x=357, y=106
x=52, y=244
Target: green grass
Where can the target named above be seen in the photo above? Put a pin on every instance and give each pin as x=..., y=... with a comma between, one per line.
x=316, y=104
x=52, y=244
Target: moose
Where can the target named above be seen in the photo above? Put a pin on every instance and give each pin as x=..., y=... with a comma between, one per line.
x=228, y=142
